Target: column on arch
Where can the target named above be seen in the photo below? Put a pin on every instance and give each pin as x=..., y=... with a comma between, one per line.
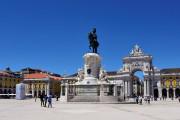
x=145, y=87
x=126, y=88
x=130, y=88
x=148, y=87
x=115, y=90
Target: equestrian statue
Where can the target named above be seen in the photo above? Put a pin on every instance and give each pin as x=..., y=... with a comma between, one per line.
x=93, y=43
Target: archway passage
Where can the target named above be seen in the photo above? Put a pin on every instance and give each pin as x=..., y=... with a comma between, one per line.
x=1, y=92
x=44, y=93
x=5, y=91
x=137, y=78
x=35, y=94
x=9, y=91
x=164, y=93
x=177, y=92
x=39, y=93
x=30, y=92
x=156, y=93
x=14, y=91
x=171, y=94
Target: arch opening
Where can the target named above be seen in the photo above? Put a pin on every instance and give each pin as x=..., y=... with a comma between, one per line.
x=137, y=78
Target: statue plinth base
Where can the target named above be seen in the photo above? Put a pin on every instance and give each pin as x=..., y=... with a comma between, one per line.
x=88, y=87
x=89, y=80
x=92, y=65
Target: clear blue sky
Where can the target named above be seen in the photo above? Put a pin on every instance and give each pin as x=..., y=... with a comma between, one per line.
x=52, y=35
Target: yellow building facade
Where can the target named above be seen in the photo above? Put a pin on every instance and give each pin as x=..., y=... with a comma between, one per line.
x=170, y=83
x=8, y=82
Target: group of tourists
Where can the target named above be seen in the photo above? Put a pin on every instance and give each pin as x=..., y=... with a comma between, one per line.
x=148, y=99
x=45, y=99
x=139, y=99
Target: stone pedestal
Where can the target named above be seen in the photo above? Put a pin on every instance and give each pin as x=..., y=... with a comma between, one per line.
x=89, y=85
x=92, y=65
x=88, y=90
x=89, y=80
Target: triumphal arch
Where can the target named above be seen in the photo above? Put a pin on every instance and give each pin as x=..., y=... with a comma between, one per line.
x=137, y=60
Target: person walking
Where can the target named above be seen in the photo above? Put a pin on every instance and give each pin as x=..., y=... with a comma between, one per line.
x=140, y=100
x=42, y=100
x=49, y=101
x=45, y=100
x=35, y=97
x=137, y=99
x=57, y=97
x=148, y=99
x=179, y=99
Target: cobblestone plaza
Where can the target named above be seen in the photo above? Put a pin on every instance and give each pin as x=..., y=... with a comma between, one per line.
x=30, y=110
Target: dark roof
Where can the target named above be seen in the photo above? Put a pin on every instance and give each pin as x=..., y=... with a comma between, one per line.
x=29, y=70
x=73, y=75
x=56, y=75
x=170, y=70
x=6, y=74
x=112, y=73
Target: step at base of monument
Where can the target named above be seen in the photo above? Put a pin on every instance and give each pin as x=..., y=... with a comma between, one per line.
x=130, y=100
x=86, y=98
x=110, y=99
